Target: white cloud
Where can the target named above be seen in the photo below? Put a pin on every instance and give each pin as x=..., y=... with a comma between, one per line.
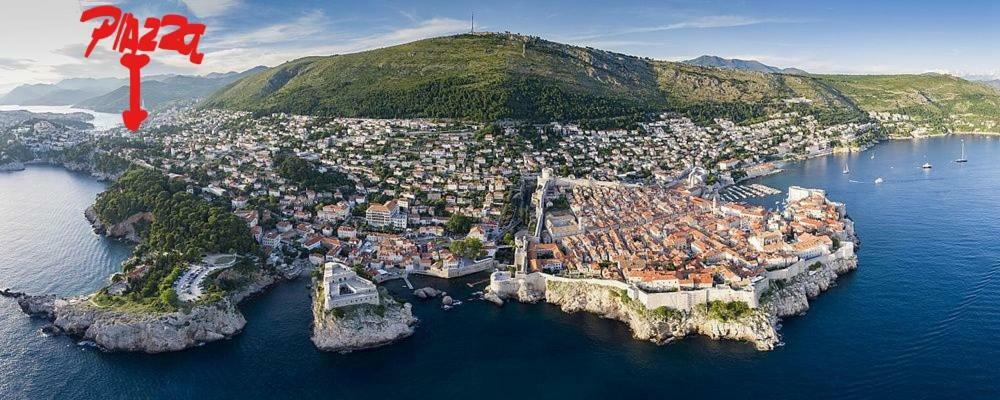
x=704, y=22
x=30, y=30
x=210, y=8
x=15, y=63
x=306, y=26
x=429, y=28
x=712, y=21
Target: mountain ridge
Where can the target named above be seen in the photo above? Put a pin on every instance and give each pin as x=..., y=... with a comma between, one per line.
x=742, y=65
x=111, y=94
x=164, y=89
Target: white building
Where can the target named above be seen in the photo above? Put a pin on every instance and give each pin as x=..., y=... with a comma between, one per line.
x=343, y=287
x=388, y=214
x=332, y=212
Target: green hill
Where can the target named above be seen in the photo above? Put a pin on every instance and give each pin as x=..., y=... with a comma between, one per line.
x=484, y=77
x=504, y=76
x=500, y=76
x=946, y=102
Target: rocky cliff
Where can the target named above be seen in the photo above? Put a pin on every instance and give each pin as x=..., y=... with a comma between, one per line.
x=660, y=326
x=86, y=168
x=792, y=298
x=122, y=230
x=115, y=329
x=362, y=326
x=664, y=325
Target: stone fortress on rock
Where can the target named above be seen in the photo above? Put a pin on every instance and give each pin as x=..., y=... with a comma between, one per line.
x=343, y=287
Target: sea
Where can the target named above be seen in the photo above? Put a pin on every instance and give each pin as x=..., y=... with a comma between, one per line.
x=919, y=319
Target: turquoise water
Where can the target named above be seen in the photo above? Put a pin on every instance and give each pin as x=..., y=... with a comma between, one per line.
x=919, y=319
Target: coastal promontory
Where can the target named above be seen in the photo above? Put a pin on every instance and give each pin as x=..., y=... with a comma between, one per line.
x=193, y=263
x=691, y=266
x=113, y=328
x=350, y=313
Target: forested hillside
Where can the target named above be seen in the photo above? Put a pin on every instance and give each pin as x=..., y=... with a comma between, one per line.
x=492, y=76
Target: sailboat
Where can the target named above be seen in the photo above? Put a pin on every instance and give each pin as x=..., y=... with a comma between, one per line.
x=962, y=159
x=847, y=169
x=873, y=155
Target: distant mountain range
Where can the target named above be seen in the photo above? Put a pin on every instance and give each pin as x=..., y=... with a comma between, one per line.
x=741, y=65
x=66, y=92
x=111, y=94
x=994, y=83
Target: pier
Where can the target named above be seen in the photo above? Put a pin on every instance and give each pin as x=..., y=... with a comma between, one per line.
x=406, y=279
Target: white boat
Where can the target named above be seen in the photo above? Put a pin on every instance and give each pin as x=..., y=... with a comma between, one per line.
x=847, y=169
x=873, y=155
x=879, y=180
x=927, y=165
x=962, y=159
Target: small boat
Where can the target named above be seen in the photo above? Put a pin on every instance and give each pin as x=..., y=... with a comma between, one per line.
x=962, y=159
x=873, y=155
x=879, y=180
x=847, y=169
x=927, y=165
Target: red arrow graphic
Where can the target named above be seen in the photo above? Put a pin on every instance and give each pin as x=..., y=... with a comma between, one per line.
x=134, y=116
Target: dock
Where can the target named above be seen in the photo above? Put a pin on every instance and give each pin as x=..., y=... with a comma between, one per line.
x=406, y=279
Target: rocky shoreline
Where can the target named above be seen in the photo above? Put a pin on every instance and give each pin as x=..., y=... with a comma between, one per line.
x=124, y=230
x=360, y=327
x=89, y=169
x=116, y=330
x=138, y=330
x=760, y=327
x=86, y=168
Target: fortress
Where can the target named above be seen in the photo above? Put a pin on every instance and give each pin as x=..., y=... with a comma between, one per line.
x=343, y=287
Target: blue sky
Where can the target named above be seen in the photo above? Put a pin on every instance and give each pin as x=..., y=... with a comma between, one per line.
x=818, y=36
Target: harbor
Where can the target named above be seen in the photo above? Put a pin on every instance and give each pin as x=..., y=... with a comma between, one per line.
x=739, y=192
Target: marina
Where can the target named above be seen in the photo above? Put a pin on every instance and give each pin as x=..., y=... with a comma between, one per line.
x=740, y=192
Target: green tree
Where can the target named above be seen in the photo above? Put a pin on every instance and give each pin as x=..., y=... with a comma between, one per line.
x=459, y=224
x=467, y=248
